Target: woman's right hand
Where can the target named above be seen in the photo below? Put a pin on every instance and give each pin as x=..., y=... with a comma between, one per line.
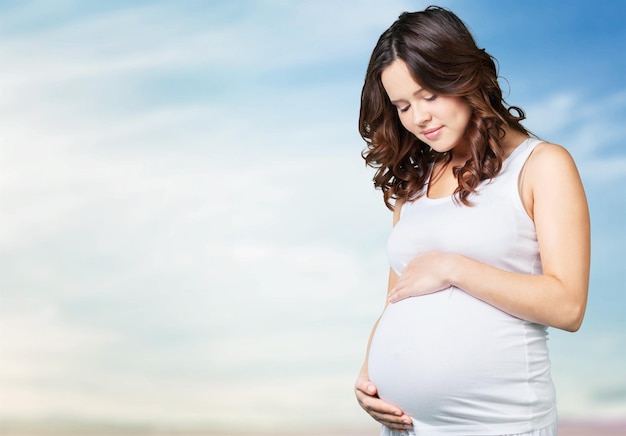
x=383, y=412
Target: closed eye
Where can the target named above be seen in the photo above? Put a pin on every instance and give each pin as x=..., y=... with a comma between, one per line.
x=403, y=109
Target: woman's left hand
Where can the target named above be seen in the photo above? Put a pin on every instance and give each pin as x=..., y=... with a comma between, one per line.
x=424, y=274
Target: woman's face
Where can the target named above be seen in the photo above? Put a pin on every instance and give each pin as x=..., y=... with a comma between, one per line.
x=438, y=120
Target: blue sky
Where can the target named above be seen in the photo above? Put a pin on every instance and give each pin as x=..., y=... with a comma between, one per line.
x=188, y=234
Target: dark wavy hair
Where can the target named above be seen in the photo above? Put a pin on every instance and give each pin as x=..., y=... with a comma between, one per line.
x=443, y=57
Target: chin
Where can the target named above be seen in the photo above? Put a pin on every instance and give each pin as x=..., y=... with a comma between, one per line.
x=439, y=148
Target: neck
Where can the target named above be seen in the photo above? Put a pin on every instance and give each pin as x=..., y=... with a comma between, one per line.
x=459, y=155
x=512, y=138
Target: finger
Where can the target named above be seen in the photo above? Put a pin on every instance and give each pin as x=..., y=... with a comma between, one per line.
x=392, y=419
x=385, y=413
x=391, y=298
x=399, y=423
x=376, y=405
x=365, y=386
x=372, y=402
x=396, y=296
x=403, y=429
x=394, y=293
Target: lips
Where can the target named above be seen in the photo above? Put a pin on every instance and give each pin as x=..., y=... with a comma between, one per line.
x=432, y=133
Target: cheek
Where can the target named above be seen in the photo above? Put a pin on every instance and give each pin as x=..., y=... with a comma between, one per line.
x=405, y=121
x=464, y=114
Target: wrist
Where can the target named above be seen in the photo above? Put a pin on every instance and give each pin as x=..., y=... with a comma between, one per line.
x=364, y=371
x=453, y=267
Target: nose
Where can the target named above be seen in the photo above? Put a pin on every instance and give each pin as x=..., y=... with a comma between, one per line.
x=421, y=117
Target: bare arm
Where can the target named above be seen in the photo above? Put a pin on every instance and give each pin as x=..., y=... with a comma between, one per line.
x=366, y=392
x=553, y=195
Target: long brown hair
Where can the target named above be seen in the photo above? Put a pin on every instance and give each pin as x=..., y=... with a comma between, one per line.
x=443, y=57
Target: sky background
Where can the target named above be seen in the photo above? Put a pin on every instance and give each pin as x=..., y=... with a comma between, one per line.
x=189, y=236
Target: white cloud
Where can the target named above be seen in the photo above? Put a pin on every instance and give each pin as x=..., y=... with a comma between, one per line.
x=587, y=391
x=591, y=123
x=37, y=343
x=587, y=127
x=230, y=250
x=188, y=262
x=142, y=39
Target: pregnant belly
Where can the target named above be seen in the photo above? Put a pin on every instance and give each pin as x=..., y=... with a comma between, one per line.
x=448, y=358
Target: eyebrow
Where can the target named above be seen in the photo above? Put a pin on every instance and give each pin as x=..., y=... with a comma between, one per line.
x=398, y=101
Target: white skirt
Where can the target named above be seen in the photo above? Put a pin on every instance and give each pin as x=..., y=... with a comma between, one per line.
x=550, y=430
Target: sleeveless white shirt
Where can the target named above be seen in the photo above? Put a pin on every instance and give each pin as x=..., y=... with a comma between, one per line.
x=455, y=364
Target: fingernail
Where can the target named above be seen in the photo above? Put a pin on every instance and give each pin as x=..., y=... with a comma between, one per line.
x=370, y=389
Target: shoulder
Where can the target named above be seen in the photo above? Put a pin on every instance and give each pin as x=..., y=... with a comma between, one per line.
x=548, y=178
x=547, y=151
x=553, y=179
x=549, y=162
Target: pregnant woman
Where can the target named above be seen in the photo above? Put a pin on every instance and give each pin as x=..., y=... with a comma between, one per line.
x=490, y=244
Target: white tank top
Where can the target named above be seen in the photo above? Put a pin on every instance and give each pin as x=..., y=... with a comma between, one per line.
x=455, y=364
